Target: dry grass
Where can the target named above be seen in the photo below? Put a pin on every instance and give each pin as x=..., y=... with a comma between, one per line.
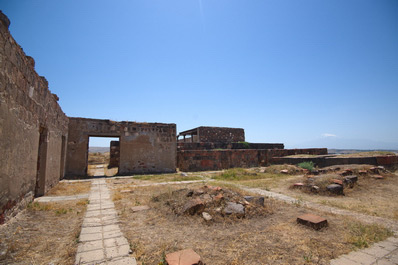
x=98, y=158
x=70, y=188
x=44, y=233
x=270, y=239
x=369, y=195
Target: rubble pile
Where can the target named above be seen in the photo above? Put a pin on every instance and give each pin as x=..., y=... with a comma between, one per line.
x=214, y=204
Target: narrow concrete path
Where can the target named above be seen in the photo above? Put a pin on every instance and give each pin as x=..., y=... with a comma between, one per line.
x=62, y=198
x=101, y=241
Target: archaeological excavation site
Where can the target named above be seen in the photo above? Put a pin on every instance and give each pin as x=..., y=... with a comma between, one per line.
x=163, y=196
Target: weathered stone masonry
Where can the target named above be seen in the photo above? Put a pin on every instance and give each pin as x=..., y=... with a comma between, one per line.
x=33, y=128
x=144, y=147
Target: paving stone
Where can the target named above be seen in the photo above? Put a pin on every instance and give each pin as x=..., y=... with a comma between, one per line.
x=118, y=251
x=385, y=262
x=116, y=241
x=123, y=261
x=90, y=245
x=112, y=234
x=388, y=245
x=343, y=261
x=90, y=237
x=91, y=230
x=313, y=221
x=376, y=251
x=361, y=258
x=108, y=228
x=90, y=256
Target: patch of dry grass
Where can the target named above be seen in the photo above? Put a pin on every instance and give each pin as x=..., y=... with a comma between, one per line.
x=70, y=188
x=44, y=233
x=271, y=239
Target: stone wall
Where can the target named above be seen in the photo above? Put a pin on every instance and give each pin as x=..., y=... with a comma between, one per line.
x=114, y=154
x=209, y=146
x=220, y=134
x=33, y=128
x=144, y=147
x=203, y=160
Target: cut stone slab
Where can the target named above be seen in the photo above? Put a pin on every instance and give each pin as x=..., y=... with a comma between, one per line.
x=234, y=208
x=335, y=188
x=378, y=177
x=313, y=221
x=351, y=179
x=140, y=208
x=183, y=257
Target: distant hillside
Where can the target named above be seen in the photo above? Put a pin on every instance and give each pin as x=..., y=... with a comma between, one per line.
x=97, y=149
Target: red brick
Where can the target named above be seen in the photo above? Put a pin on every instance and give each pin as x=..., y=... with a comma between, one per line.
x=337, y=181
x=313, y=221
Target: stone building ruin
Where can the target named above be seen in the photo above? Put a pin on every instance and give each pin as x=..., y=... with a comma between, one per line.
x=40, y=145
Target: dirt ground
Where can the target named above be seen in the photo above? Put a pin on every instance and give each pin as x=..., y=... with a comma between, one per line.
x=45, y=233
x=272, y=239
x=369, y=196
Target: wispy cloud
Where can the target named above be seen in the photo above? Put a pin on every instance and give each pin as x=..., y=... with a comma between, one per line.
x=328, y=135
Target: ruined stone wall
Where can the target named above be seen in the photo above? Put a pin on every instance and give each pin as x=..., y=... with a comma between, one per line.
x=221, y=134
x=26, y=105
x=144, y=147
x=203, y=160
x=209, y=146
x=114, y=156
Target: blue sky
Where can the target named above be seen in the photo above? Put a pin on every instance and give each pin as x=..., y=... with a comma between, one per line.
x=297, y=72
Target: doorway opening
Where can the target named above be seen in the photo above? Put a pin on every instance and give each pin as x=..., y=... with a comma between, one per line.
x=62, y=161
x=103, y=156
x=41, y=163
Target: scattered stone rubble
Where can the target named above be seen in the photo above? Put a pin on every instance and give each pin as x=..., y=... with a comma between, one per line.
x=335, y=183
x=214, y=203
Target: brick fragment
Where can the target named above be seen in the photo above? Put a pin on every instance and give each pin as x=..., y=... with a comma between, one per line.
x=313, y=221
x=184, y=257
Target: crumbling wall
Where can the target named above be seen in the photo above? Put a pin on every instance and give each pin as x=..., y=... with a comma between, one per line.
x=181, y=146
x=144, y=147
x=203, y=160
x=220, y=134
x=26, y=108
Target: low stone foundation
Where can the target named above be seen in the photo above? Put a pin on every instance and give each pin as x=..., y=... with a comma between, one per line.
x=386, y=161
x=204, y=160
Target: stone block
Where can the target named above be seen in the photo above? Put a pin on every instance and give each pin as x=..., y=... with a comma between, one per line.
x=193, y=206
x=234, y=208
x=184, y=257
x=258, y=200
x=313, y=221
x=336, y=189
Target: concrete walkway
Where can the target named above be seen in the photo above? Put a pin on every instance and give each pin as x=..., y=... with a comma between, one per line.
x=101, y=241
x=62, y=198
x=382, y=253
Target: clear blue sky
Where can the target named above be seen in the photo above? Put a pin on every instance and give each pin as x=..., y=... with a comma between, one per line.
x=284, y=70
